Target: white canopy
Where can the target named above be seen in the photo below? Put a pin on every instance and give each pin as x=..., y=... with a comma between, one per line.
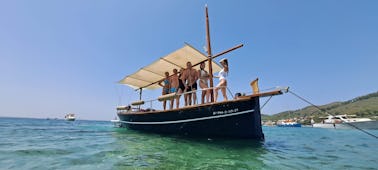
x=146, y=76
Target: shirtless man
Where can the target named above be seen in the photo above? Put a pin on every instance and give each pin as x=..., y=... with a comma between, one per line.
x=191, y=77
x=174, y=80
x=181, y=87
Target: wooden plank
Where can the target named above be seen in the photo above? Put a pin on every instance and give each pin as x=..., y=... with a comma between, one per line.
x=265, y=94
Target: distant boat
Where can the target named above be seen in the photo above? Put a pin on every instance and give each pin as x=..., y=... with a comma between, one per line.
x=342, y=121
x=288, y=123
x=70, y=117
x=268, y=123
x=116, y=122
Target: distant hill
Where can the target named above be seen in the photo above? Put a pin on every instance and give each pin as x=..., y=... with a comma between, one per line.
x=363, y=106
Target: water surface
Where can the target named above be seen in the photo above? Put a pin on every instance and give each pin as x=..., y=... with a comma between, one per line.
x=59, y=144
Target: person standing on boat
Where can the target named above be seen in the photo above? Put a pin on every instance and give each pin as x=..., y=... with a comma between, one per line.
x=222, y=75
x=203, y=83
x=166, y=87
x=181, y=87
x=174, y=87
x=191, y=75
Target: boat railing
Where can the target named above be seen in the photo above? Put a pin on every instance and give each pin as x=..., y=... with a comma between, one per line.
x=209, y=88
x=137, y=105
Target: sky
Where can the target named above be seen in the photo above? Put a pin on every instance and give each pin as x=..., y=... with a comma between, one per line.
x=58, y=57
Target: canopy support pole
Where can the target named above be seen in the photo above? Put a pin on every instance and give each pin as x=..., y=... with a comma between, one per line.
x=140, y=95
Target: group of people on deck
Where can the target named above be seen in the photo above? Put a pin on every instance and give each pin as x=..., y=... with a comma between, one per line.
x=185, y=82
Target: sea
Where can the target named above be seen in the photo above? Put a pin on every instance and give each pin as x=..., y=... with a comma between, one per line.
x=58, y=144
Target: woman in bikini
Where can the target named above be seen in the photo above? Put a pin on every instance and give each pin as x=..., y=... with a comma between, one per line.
x=203, y=83
x=222, y=75
x=166, y=88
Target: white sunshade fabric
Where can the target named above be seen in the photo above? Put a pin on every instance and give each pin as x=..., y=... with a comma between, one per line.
x=146, y=76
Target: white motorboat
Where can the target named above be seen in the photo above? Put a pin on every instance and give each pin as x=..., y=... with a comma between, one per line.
x=116, y=122
x=346, y=122
x=70, y=117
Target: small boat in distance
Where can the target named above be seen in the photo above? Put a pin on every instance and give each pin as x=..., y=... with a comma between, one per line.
x=288, y=123
x=116, y=122
x=70, y=117
x=342, y=121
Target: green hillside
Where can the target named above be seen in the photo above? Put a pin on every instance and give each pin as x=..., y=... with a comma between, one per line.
x=364, y=106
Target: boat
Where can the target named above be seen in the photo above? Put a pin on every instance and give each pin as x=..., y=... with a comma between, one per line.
x=346, y=122
x=288, y=123
x=237, y=118
x=70, y=117
x=268, y=123
x=116, y=122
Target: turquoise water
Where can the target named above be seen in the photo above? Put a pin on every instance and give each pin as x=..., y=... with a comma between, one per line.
x=58, y=144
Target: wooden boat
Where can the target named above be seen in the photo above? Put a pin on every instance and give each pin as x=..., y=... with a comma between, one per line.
x=236, y=118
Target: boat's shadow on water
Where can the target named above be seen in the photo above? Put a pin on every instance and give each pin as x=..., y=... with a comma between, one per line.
x=216, y=142
x=222, y=142
x=149, y=150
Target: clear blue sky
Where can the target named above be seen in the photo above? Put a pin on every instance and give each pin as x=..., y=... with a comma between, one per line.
x=66, y=56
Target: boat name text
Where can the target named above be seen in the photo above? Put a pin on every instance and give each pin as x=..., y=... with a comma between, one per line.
x=225, y=111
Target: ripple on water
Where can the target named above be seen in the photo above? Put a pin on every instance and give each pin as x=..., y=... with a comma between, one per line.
x=42, y=152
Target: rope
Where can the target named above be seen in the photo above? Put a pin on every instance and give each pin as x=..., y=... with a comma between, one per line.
x=230, y=93
x=364, y=131
x=265, y=103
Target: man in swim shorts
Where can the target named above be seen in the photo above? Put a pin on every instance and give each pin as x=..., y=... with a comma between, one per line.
x=191, y=76
x=174, y=80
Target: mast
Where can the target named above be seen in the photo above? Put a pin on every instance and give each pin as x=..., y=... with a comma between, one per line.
x=209, y=55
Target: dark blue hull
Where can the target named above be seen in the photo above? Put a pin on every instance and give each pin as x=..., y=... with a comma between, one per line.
x=232, y=119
